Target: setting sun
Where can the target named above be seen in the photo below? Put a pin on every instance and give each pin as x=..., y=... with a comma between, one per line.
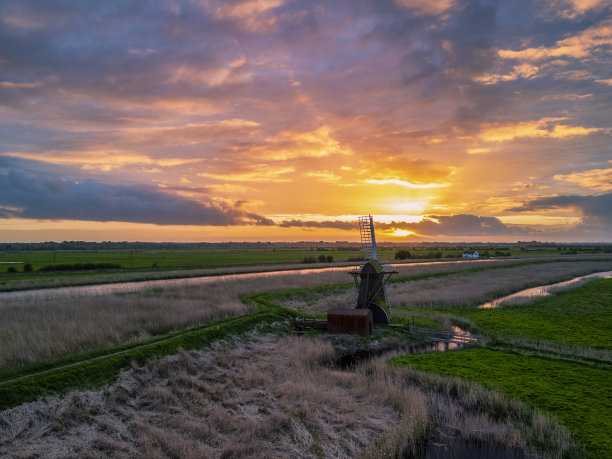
x=401, y=233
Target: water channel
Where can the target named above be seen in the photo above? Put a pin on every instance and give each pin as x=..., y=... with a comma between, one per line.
x=128, y=287
x=525, y=296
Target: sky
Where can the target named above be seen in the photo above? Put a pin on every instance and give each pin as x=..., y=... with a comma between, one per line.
x=283, y=120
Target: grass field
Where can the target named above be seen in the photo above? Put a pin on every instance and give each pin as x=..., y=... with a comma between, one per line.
x=80, y=342
x=572, y=384
x=176, y=258
x=215, y=257
x=578, y=395
x=580, y=317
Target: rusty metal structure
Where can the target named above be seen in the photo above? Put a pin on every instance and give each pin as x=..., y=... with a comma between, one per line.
x=350, y=321
x=371, y=278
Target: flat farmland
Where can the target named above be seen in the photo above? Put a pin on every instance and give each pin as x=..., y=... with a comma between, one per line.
x=173, y=258
x=197, y=370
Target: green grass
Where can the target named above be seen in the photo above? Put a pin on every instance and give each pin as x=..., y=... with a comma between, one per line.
x=581, y=317
x=578, y=395
x=197, y=257
x=167, y=259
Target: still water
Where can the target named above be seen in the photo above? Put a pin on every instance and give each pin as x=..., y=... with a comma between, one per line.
x=128, y=287
x=525, y=296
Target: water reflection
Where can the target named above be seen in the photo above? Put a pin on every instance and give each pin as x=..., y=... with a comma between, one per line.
x=443, y=340
x=525, y=296
x=129, y=287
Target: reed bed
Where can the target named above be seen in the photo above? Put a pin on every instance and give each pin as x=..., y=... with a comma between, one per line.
x=92, y=278
x=265, y=397
x=46, y=281
x=44, y=324
x=41, y=326
x=465, y=290
x=457, y=290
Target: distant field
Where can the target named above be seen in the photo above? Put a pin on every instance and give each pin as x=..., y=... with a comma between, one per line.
x=218, y=257
x=139, y=259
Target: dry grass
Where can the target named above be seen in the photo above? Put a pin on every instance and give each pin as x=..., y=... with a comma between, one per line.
x=45, y=324
x=476, y=288
x=469, y=289
x=268, y=397
x=42, y=325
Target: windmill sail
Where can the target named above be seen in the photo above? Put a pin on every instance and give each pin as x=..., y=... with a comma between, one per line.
x=368, y=240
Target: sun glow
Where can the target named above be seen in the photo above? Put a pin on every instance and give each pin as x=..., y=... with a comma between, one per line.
x=401, y=233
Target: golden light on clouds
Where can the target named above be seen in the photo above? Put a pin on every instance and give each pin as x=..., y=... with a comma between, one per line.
x=206, y=120
x=257, y=173
x=542, y=128
x=596, y=179
x=524, y=70
x=293, y=144
x=406, y=184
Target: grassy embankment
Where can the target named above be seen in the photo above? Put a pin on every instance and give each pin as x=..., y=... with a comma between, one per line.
x=34, y=340
x=100, y=366
x=522, y=364
x=571, y=330
x=304, y=397
x=93, y=372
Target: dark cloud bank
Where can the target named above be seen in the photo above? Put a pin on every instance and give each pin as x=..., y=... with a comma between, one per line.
x=32, y=189
x=596, y=209
x=28, y=194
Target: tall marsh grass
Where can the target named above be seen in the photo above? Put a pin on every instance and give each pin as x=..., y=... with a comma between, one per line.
x=270, y=397
x=461, y=290
x=40, y=325
x=458, y=290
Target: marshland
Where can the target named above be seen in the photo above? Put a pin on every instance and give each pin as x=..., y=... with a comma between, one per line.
x=215, y=368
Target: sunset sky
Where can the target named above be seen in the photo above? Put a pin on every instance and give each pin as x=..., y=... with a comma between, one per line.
x=281, y=120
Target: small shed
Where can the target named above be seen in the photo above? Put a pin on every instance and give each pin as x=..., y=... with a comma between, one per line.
x=470, y=254
x=350, y=321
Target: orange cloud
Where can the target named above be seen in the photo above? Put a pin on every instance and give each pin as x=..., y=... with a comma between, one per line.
x=524, y=70
x=579, y=46
x=596, y=179
x=252, y=15
x=291, y=144
x=432, y=7
x=542, y=128
x=10, y=84
x=406, y=184
x=102, y=160
x=257, y=173
x=578, y=7
x=478, y=151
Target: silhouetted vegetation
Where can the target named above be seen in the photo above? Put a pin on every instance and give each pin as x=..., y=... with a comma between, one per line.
x=402, y=254
x=80, y=267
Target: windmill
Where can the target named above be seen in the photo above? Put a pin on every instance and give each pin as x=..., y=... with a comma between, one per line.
x=371, y=278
